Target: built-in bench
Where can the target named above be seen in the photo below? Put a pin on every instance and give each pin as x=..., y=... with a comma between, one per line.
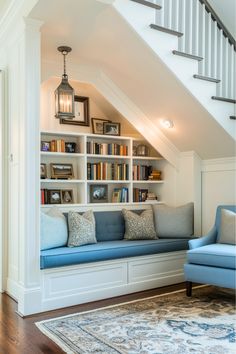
x=113, y=266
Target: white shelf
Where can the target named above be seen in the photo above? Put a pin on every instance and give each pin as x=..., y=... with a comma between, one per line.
x=103, y=181
x=64, y=154
x=147, y=182
x=99, y=156
x=81, y=187
x=71, y=181
x=151, y=158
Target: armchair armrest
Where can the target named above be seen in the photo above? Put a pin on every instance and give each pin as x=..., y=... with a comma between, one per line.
x=205, y=240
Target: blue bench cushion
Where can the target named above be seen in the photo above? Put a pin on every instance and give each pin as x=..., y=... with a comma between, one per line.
x=215, y=255
x=65, y=256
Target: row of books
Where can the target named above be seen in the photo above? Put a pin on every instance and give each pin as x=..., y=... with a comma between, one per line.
x=141, y=173
x=58, y=145
x=107, y=171
x=142, y=195
x=120, y=195
x=107, y=149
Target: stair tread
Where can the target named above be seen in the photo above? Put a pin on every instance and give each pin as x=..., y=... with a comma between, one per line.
x=147, y=3
x=206, y=78
x=232, y=117
x=225, y=99
x=166, y=30
x=187, y=55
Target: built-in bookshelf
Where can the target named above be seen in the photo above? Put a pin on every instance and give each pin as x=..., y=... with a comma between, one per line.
x=88, y=169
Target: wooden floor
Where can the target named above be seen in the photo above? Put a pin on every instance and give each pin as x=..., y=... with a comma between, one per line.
x=21, y=336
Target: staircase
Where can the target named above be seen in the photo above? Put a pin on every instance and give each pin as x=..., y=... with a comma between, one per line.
x=200, y=37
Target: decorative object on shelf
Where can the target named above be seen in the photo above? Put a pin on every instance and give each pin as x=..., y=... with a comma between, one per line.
x=67, y=196
x=54, y=196
x=45, y=146
x=111, y=128
x=43, y=170
x=70, y=147
x=81, y=112
x=142, y=150
x=155, y=175
x=97, y=125
x=62, y=170
x=151, y=197
x=98, y=193
x=134, y=152
x=64, y=94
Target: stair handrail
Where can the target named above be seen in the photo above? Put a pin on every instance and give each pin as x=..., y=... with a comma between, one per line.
x=220, y=24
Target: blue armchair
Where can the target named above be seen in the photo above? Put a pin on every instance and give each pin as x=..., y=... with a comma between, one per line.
x=209, y=262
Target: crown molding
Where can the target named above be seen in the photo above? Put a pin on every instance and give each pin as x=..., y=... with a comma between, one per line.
x=221, y=164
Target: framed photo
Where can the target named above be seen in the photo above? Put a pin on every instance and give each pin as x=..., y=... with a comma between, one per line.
x=54, y=196
x=81, y=112
x=45, y=146
x=97, y=125
x=43, y=170
x=70, y=147
x=62, y=170
x=98, y=193
x=67, y=196
x=111, y=128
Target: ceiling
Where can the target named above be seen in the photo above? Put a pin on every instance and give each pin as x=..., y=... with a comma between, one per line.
x=101, y=38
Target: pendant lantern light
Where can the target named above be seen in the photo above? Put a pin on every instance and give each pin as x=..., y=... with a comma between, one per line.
x=64, y=94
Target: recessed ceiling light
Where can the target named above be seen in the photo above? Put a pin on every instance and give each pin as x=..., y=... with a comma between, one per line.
x=167, y=123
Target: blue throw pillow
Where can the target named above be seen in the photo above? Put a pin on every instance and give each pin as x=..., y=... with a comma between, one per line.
x=53, y=229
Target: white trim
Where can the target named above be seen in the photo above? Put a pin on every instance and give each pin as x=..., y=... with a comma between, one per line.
x=222, y=164
x=72, y=285
x=2, y=221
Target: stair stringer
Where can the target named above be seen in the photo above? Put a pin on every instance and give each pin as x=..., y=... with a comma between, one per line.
x=139, y=19
x=122, y=103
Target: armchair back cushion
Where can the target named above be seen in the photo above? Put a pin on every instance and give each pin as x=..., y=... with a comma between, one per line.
x=218, y=217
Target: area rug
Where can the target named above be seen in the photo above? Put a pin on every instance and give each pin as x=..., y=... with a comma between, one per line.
x=167, y=324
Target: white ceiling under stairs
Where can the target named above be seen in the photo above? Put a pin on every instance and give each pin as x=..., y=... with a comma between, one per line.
x=102, y=39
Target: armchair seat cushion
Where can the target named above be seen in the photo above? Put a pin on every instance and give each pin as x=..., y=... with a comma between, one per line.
x=214, y=255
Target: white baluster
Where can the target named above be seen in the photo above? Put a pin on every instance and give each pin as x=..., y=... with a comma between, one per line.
x=219, y=60
x=188, y=27
x=201, y=42
x=159, y=15
x=225, y=68
x=214, y=49
x=232, y=72
x=175, y=15
x=182, y=15
x=167, y=13
x=208, y=45
x=195, y=26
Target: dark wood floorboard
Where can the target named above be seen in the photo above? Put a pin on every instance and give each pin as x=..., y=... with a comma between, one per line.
x=21, y=336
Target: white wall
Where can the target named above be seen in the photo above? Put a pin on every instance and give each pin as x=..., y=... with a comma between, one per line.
x=218, y=187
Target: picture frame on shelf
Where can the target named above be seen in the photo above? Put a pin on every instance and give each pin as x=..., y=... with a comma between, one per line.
x=81, y=112
x=61, y=170
x=111, y=128
x=67, y=196
x=98, y=193
x=43, y=171
x=45, y=146
x=97, y=125
x=70, y=147
x=54, y=196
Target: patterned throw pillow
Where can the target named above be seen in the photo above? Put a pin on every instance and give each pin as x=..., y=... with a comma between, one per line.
x=81, y=229
x=139, y=227
x=227, y=232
